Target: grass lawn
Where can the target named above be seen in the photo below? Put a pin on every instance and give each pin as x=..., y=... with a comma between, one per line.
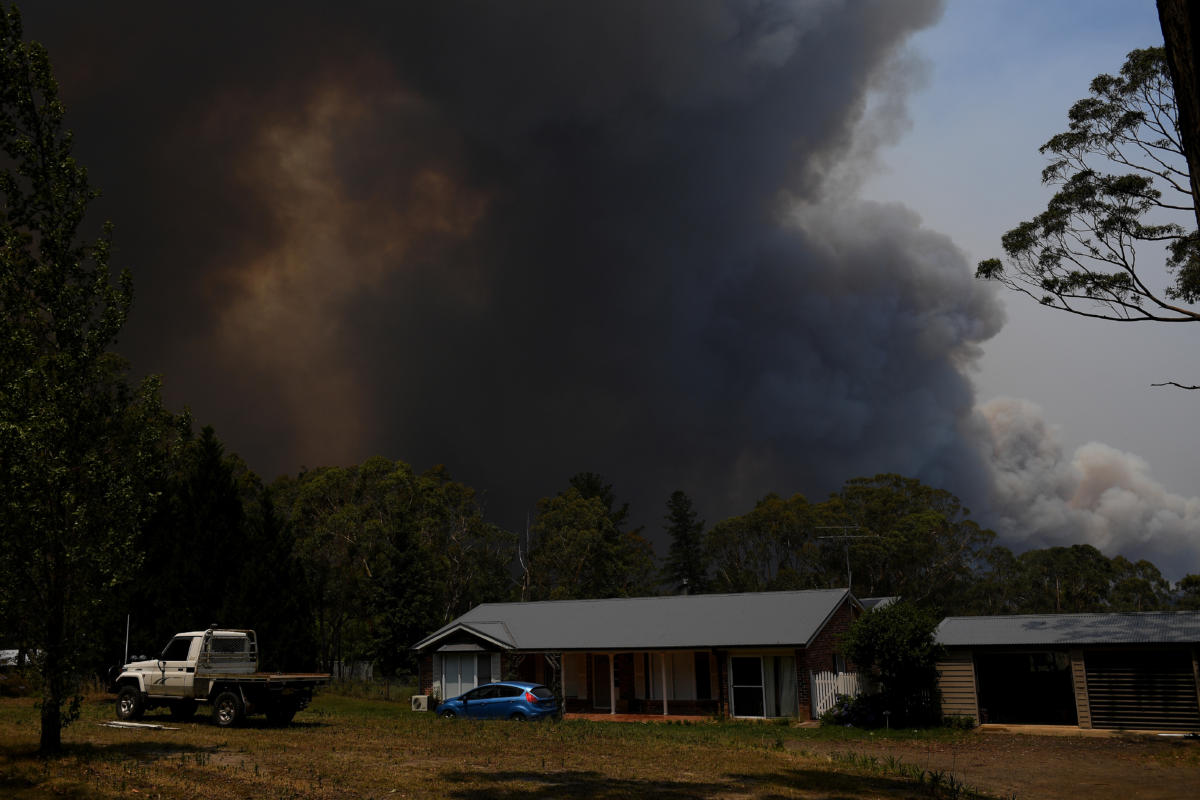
x=357, y=747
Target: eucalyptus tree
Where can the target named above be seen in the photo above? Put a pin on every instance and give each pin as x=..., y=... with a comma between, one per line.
x=580, y=549
x=1124, y=190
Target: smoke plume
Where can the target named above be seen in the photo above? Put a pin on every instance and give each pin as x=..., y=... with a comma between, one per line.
x=529, y=239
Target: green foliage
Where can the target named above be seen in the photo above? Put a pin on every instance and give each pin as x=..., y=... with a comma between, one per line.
x=774, y=547
x=580, y=551
x=1123, y=183
x=917, y=542
x=216, y=532
x=895, y=645
x=1073, y=579
x=1189, y=592
x=390, y=555
x=79, y=446
x=859, y=711
x=686, y=562
x=908, y=540
x=959, y=722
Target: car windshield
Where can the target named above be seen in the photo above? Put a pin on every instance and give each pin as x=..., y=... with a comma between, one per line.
x=542, y=693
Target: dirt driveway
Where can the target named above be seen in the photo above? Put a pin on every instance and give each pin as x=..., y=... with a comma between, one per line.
x=1037, y=765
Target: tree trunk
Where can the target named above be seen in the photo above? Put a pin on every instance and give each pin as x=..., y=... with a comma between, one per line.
x=1180, y=22
x=53, y=674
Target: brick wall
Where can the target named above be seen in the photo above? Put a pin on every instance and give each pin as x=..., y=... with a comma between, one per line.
x=425, y=674
x=819, y=656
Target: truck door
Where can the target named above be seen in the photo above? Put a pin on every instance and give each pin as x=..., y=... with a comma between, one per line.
x=177, y=667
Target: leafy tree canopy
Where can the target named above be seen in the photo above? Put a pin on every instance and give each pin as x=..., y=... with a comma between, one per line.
x=1123, y=186
x=579, y=549
x=79, y=446
x=895, y=644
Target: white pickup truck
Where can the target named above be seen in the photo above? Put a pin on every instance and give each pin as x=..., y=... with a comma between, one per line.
x=217, y=666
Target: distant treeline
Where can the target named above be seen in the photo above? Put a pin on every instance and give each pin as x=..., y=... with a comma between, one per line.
x=357, y=563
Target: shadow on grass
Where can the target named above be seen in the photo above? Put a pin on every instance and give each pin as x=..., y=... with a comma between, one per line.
x=115, y=751
x=512, y=785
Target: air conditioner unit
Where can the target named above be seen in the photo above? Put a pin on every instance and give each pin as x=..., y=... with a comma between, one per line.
x=420, y=702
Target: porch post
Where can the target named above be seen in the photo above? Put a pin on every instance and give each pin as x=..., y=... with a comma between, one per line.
x=612, y=683
x=663, y=670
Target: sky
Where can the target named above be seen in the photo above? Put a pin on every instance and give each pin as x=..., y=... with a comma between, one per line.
x=724, y=247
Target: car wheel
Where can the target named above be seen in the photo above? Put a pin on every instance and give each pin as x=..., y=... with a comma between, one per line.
x=183, y=709
x=228, y=709
x=130, y=704
x=449, y=713
x=517, y=716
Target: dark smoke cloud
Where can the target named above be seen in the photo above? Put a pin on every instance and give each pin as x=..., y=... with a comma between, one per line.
x=528, y=239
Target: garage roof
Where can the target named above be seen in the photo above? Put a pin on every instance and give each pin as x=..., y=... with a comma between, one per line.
x=1152, y=627
x=759, y=619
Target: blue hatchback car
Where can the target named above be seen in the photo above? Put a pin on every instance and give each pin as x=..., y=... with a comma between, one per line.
x=514, y=700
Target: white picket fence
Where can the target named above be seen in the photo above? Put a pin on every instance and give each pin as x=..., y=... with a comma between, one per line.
x=826, y=686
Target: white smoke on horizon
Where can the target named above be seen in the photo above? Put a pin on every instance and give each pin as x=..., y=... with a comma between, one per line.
x=1042, y=496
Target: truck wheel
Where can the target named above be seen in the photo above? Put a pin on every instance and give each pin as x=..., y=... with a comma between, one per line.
x=183, y=709
x=281, y=713
x=130, y=704
x=228, y=709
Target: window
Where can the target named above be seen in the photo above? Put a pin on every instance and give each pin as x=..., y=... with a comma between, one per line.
x=484, y=668
x=703, y=677
x=228, y=644
x=509, y=691
x=482, y=693
x=747, y=679
x=177, y=649
x=574, y=675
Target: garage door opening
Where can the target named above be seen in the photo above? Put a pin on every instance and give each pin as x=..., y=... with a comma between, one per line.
x=1026, y=688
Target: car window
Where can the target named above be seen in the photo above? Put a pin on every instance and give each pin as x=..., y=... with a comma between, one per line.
x=510, y=691
x=177, y=649
x=482, y=693
x=542, y=693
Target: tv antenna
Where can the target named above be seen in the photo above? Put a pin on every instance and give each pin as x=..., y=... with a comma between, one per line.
x=847, y=538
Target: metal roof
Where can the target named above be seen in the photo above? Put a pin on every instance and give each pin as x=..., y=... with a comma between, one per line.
x=762, y=619
x=1151, y=627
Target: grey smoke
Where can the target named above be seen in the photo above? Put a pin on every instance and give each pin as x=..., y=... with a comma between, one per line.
x=529, y=239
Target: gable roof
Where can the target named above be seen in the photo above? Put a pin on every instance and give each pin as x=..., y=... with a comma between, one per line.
x=1150, y=627
x=758, y=619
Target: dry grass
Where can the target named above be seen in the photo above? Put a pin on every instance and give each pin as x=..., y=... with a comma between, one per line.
x=358, y=747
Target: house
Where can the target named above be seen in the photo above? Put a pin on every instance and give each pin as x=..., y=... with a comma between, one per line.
x=741, y=655
x=1130, y=671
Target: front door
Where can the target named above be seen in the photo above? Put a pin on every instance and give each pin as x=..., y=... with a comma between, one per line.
x=600, y=681
x=177, y=666
x=458, y=673
x=746, y=676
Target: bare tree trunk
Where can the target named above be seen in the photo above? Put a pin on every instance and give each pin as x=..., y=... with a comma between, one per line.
x=1180, y=22
x=53, y=673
